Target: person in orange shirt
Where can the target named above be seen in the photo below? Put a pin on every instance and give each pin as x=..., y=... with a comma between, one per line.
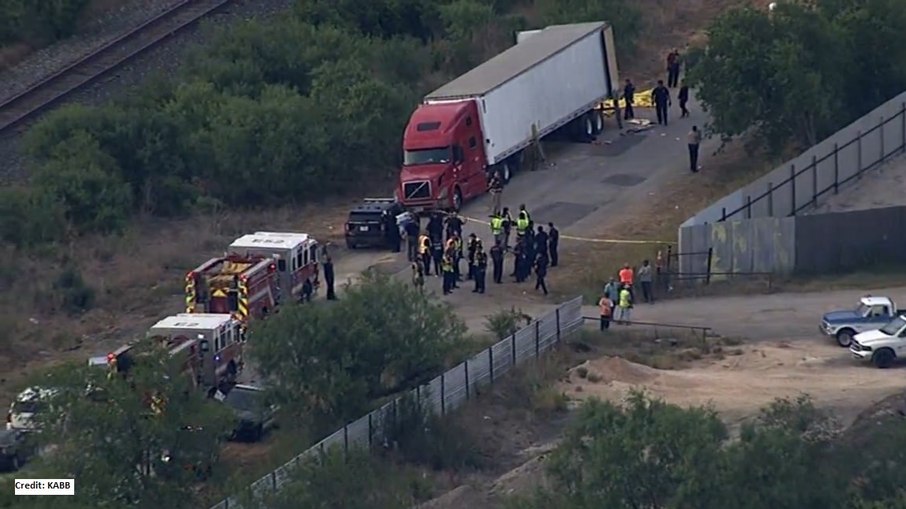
x=627, y=277
x=606, y=311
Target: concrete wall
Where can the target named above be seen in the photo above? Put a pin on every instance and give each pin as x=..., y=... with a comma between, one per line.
x=858, y=147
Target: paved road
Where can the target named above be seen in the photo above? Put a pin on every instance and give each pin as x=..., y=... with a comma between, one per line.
x=585, y=184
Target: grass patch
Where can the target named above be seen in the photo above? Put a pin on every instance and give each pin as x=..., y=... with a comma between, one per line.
x=660, y=348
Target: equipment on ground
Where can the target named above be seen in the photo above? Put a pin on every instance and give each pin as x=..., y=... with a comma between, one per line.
x=482, y=122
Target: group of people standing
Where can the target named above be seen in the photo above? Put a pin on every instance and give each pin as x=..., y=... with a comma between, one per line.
x=440, y=246
x=618, y=297
x=662, y=102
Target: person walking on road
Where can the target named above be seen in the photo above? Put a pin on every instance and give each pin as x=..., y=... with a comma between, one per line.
x=627, y=277
x=497, y=261
x=481, y=269
x=661, y=98
x=412, y=229
x=645, y=278
x=695, y=139
x=447, y=267
x=437, y=254
x=472, y=250
x=424, y=251
x=553, y=243
x=541, y=272
x=606, y=306
x=329, y=277
x=683, y=98
x=495, y=187
x=418, y=276
x=541, y=241
x=496, y=225
x=628, y=113
x=507, y=227
x=673, y=68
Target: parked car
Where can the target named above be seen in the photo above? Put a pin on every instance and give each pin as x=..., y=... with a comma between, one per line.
x=872, y=313
x=881, y=346
x=27, y=405
x=15, y=449
x=254, y=414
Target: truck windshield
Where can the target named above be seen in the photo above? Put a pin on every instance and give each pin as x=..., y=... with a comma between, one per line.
x=862, y=310
x=427, y=156
x=893, y=326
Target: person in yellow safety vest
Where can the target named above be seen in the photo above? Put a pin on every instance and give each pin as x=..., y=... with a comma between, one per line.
x=424, y=251
x=497, y=227
x=523, y=222
x=454, y=248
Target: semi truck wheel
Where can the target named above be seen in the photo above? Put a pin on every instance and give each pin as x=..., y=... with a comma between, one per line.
x=598, y=117
x=506, y=171
x=883, y=358
x=588, y=127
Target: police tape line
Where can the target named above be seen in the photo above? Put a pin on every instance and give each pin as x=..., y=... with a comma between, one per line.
x=586, y=239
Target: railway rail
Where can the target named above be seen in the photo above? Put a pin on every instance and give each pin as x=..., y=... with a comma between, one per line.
x=16, y=111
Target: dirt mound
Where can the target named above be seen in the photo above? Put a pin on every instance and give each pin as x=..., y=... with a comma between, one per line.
x=463, y=496
x=615, y=369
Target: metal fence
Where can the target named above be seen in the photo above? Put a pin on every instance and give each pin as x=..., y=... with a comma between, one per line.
x=441, y=395
x=823, y=175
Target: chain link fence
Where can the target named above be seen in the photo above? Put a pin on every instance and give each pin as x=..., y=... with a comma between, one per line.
x=441, y=395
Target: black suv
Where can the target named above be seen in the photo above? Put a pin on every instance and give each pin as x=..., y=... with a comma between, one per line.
x=368, y=221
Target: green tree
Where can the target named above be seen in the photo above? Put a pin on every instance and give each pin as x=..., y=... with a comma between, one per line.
x=85, y=180
x=39, y=22
x=329, y=362
x=28, y=217
x=103, y=432
x=378, y=18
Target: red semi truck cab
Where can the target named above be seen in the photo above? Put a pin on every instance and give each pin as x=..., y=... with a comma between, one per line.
x=443, y=156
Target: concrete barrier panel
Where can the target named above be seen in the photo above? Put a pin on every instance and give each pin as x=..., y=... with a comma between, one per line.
x=742, y=244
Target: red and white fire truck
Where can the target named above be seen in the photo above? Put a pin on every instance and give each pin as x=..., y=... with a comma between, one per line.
x=209, y=347
x=296, y=256
x=258, y=272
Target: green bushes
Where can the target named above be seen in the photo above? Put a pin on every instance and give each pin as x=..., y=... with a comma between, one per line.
x=38, y=22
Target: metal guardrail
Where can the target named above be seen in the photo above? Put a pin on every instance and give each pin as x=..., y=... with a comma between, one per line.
x=705, y=331
x=441, y=395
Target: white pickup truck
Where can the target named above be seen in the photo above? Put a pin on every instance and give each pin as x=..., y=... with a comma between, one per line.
x=882, y=347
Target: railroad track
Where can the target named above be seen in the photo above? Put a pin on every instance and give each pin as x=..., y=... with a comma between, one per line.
x=50, y=91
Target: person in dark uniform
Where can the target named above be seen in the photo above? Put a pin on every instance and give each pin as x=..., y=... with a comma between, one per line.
x=448, y=274
x=412, y=230
x=553, y=243
x=436, y=227
x=541, y=272
x=437, y=253
x=541, y=241
x=472, y=250
x=507, y=227
x=307, y=290
x=661, y=99
x=329, y=277
x=629, y=97
x=497, y=260
x=454, y=225
x=517, y=252
x=524, y=263
x=481, y=269
x=392, y=232
x=683, y=98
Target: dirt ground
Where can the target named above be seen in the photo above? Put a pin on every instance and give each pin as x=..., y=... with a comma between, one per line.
x=740, y=384
x=881, y=187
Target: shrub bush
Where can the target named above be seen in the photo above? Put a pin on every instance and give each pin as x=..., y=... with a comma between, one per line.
x=39, y=22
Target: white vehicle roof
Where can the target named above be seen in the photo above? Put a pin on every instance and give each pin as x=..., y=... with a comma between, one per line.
x=194, y=321
x=876, y=301
x=272, y=240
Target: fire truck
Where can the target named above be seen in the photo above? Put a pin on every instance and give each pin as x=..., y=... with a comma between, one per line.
x=244, y=285
x=296, y=256
x=209, y=347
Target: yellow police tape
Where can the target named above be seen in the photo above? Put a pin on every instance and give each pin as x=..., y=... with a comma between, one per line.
x=586, y=239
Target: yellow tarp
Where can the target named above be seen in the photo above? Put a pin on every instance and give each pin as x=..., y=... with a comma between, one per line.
x=642, y=100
